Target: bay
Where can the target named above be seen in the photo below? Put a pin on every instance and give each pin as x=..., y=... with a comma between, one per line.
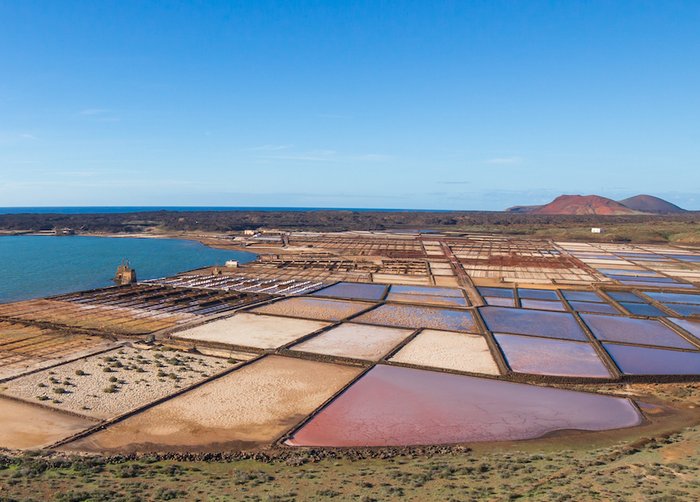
x=38, y=266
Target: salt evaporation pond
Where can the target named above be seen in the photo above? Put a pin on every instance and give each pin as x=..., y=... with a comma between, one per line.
x=642, y=331
x=395, y=406
x=532, y=322
x=649, y=361
x=314, y=308
x=544, y=356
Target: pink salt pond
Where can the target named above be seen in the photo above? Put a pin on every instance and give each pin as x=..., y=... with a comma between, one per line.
x=543, y=356
x=499, y=302
x=395, y=406
x=413, y=316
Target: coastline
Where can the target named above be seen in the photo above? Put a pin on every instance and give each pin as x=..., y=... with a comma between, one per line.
x=208, y=241
x=36, y=272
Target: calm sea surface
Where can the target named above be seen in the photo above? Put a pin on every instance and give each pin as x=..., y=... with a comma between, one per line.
x=37, y=266
x=138, y=209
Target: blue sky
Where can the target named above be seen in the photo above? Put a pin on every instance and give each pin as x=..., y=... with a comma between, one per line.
x=445, y=105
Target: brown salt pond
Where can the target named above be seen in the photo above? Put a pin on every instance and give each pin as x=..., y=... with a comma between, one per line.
x=249, y=407
x=627, y=330
x=426, y=290
x=497, y=301
x=358, y=341
x=649, y=361
x=354, y=290
x=28, y=426
x=440, y=301
x=395, y=406
x=410, y=316
x=253, y=330
x=449, y=350
x=542, y=356
x=314, y=308
x=532, y=322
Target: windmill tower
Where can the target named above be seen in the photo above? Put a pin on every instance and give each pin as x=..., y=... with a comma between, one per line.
x=125, y=274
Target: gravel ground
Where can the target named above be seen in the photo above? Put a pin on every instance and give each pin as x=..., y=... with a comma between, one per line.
x=112, y=383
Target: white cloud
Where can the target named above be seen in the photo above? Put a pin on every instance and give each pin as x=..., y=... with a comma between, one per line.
x=99, y=114
x=91, y=112
x=373, y=157
x=504, y=160
x=327, y=155
x=270, y=148
x=333, y=116
x=311, y=156
x=11, y=138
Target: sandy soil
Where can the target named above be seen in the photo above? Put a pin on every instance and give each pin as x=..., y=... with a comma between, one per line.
x=252, y=330
x=26, y=426
x=355, y=340
x=253, y=405
x=449, y=350
x=134, y=378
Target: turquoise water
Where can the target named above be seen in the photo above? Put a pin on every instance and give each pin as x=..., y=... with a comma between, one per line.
x=37, y=266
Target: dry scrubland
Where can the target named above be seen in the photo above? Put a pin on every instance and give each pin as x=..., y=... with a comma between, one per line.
x=683, y=228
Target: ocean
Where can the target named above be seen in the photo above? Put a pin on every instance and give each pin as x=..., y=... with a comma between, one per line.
x=139, y=209
x=38, y=266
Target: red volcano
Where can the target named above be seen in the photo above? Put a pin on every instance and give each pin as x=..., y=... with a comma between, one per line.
x=584, y=204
